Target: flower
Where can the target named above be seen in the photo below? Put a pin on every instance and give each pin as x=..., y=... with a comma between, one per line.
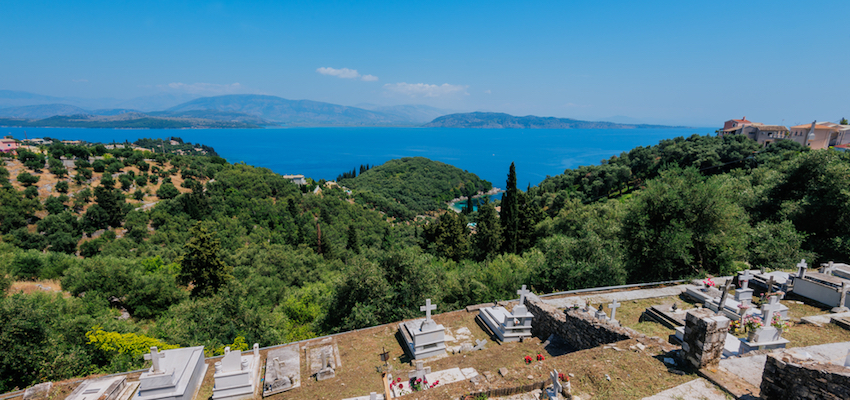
x=752, y=322
x=540, y=357
x=399, y=379
x=708, y=282
x=528, y=359
x=779, y=324
x=401, y=386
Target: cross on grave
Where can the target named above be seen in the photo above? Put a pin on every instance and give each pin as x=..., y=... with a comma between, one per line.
x=479, y=344
x=419, y=372
x=614, y=306
x=522, y=292
x=770, y=284
x=722, y=304
x=154, y=356
x=769, y=309
x=842, y=300
x=801, y=268
x=556, y=383
x=744, y=279
x=829, y=268
x=428, y=307
x=326, y=362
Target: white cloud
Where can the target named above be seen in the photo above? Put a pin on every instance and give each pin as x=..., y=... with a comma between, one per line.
x=204, y=88
x=346, y=73
x=369, y=78
x=424, y=89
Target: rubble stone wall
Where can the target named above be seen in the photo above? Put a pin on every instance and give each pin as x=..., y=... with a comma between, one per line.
x=786, y=377
x=581, y=330
x=705, y=336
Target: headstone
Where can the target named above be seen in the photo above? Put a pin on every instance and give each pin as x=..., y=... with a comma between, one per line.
x=614, y=306
x=766, y=337
x=556, y=384
x=327, y=371
x=479, y=344
x=744, y=294
x=424, y=337
x=419, y=372
x=767, y=310
x=175, y=375
x=237, y=374
x=283, y=370
x=744, y=279
x=801, y=269
x=842, y=302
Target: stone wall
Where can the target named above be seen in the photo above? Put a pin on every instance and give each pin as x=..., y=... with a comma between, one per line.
x=705, y=336
x=581, y=330
x=787, y=377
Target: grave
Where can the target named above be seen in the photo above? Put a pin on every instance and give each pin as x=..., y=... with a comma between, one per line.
x=424, y=337
x=109, y=388
x=283, y=370
x=766, y=337
x=836, y=269
x=555, y=391
x=236, y=375
x=323, y=360
x=175, y=375
x=614, y=306
x=744, y=294
x=669, y=315
x=509, y=326
x=327, y=371
x=600, y=315
x=824, y=288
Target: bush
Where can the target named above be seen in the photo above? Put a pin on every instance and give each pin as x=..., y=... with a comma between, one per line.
x=167, y=191
x=27, y=265
x=62, y=187
x=28, y=179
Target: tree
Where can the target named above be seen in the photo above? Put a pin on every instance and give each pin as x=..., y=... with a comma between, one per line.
x=62, y=187
x=844, y=121
x=167, y=191
x=112, y=201
x=488, y=239
x=53, y=205
x=448, y=236
x=353, y=242
x=509, y=215
x=201, y=264
x=683, y=225
x=27, y=179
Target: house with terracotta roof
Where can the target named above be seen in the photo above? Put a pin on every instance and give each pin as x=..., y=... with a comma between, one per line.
x=736, y=123
x=825, y=134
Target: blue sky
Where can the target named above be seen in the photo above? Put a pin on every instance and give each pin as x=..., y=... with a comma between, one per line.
x=686, y=62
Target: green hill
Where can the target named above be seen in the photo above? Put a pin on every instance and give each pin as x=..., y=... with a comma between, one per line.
x=502, y=120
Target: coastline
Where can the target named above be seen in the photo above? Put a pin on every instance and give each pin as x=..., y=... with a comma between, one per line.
x=492, y=192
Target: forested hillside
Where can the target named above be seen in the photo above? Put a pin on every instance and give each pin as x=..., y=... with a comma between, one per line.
x=219, y=254
x=409, y=186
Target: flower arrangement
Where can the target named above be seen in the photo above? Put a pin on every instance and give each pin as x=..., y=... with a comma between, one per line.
x=562, y=377
x=540, y=357
x=708, y=282
x=735, y=325
x=779, y=324
x=752, y=322
x=528, y=359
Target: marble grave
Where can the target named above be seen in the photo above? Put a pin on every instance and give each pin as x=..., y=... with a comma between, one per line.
x=175, y=375
x=424, y=337
x=237, y=374
x=509, y=326
x=283, y=370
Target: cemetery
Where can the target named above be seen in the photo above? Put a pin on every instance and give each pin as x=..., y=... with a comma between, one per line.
x=613, y=344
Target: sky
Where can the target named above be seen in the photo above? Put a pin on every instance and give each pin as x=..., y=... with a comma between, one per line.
x=677, y=62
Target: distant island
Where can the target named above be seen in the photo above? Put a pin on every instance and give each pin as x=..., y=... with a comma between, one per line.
x=488, y=120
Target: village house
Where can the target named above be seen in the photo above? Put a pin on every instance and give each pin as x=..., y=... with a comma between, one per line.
x=296, y=179
x=815, y=135
x=736, y=123
x=8, y=145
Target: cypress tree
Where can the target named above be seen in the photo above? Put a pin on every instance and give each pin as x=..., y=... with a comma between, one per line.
x=488, y=240
x=510, y=213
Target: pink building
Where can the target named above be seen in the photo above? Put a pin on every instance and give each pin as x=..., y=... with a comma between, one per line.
x=8, y=145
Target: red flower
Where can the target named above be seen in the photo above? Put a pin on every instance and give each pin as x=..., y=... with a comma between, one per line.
x=399, y=379
x=401, y=386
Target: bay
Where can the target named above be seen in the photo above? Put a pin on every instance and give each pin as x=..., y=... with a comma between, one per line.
x=324, y=153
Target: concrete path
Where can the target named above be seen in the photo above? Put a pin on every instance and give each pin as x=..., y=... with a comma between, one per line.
x=751, y=368
x=579, y=300
x=697, y=389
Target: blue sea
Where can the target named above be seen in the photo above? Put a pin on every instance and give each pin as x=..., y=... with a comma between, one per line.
x=324, y=153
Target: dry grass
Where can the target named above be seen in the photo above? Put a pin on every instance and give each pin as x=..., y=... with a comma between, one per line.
x=29, y=287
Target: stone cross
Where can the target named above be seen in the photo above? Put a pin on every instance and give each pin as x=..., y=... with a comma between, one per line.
x=801, y=268
x=556, y=383
x=770, y=284
x=744, y=279
x=768, y=309
x=479, y=344
x=428, y=307
x=522, y=292
x=829, y=268
x=154, y=356
x=277, y=368
x=614, y=306
x=419, y=372
x=843, y=300
x=722, y=304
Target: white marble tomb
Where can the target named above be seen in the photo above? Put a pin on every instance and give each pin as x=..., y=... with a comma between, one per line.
x=424, y=337
x=109, y=388
x=509, y=326
x=237, y=374
x=175, y=375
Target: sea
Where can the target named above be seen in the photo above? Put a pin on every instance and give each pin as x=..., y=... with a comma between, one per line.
x=325, y=153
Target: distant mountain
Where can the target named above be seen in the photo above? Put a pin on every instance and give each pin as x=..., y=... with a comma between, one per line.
x=413, y=112
x=156, y=102
x=12, y=98
x=123, y=121
x=41, y=111
x=293, y=112
x=501, y=121
x=113, y=111
x=213, y=115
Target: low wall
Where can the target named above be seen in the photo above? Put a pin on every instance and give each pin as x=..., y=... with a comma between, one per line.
x=579, y=329
x=786, y=377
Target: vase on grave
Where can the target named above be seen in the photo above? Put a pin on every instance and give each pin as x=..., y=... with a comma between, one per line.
x=751, y=335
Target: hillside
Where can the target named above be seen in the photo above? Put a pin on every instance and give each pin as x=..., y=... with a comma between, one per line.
x=409, y=186
x=293, y=112
x=502, y=121
x=41, y=111
x=126, y=121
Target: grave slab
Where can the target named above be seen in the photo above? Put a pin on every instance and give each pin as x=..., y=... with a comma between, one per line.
x=237, y=374
x=283, y=370
x=99, y=389
x=697, y=389
x=750, y=368
x=314, y=356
